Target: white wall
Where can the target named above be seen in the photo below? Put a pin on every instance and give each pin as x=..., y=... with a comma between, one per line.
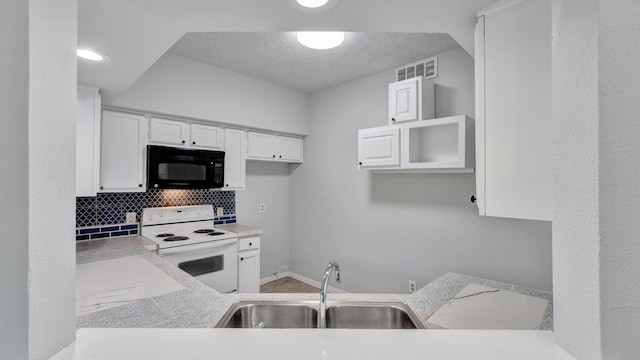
x=38, y=103
x=180, y=86
x=385, y=229
x=267, y=183
x=14, y=187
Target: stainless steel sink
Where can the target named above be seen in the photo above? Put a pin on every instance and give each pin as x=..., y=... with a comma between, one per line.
x=304, y=314
x=269, y=314
x=371, y=316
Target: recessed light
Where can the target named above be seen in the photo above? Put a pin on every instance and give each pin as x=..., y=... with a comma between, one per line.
x=92, y=55
x=321, y=40
x=312, y=3
x=312, y=6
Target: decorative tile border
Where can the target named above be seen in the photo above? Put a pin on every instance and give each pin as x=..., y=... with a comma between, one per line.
x=99, y=232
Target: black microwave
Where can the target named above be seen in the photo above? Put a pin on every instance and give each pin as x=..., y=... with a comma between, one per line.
x=175, y=168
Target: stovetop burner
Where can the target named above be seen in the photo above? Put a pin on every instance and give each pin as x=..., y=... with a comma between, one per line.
x=164, y=235
x=215, y=233
x=203, y=231
x=176, y=238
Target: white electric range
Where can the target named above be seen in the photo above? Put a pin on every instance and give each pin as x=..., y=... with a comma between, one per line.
x=186, y=237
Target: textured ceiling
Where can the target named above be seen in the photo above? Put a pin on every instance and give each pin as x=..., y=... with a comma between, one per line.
x=278, y=58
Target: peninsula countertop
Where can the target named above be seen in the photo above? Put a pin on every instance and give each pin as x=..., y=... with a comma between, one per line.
x=198, y=306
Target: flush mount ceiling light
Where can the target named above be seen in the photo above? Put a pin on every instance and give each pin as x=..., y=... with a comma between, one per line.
x=312, y=6
x=320, y=40
x=92, y=55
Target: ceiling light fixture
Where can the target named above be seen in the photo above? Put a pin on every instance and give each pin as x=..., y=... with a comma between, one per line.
x=320, y=40
x=312, y=6
x=312, y=3
x=92, y=55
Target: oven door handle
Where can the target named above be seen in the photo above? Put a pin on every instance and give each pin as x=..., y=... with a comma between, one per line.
x=205, y=246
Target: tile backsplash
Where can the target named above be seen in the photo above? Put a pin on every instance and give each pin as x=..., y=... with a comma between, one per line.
x=111, y=208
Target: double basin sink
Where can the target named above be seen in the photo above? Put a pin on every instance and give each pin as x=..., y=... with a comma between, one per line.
x=304, y=314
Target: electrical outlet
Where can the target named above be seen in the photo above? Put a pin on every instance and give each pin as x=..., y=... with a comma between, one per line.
x=263, y=208
x=131, y=217
x=412, y=286
x=220, y=211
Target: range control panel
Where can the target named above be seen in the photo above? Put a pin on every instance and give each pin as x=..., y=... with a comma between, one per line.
x=176, y=214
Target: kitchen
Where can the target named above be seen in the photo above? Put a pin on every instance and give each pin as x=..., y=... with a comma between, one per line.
x=327, y=219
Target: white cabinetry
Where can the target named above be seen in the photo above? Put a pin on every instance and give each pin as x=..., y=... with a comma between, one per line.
x=122, y=156
x=513, y=110
x=445, y=143
x=87, y=141
x=436, y=145
x=235, y=159
x=411, y=99
x=270, y=147
x=184, y=134
x=378, y=147
x=249, y=265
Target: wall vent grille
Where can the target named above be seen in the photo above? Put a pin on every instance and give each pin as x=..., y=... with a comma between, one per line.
x=425, y=67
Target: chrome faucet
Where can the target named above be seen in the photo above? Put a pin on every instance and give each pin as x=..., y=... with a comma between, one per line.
x=322, y=313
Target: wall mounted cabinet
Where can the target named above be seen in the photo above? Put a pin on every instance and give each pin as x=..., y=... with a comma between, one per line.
x=379, y=147
x=513, y=110
x=271, y=147
x=88, y=141
x=235, y=159
x=437, y=145
x=411, y=99
x=185, y=134
x=122, y=157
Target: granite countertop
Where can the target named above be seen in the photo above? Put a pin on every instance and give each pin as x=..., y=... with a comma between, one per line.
x=198, y=306
x=241, y=230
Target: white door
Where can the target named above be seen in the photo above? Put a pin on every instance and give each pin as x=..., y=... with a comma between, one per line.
x=249, y=272
x=289, y=149
x=403, y=100
x=514, y=168
x=123, y=145
x=168, y=132
x=207, y=137
x=261, y=146
x=235, y=159
x=379, y=146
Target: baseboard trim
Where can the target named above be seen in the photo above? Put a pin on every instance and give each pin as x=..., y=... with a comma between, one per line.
x=304, y=279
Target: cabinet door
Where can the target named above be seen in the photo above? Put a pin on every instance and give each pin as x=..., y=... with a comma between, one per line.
x=207, y=137
x=261, y=146
x=403, y=100
x=513, y=114
x=87, y=141
x=168, y=132
x=249, y=272
x=289, y=149
x=235, y=159
x=379, y=146
x=124, y=140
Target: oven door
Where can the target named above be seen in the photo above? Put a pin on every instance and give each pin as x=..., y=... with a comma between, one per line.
x=214, y=263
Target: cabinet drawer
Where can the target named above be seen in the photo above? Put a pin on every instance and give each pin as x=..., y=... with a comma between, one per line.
x=251, y=243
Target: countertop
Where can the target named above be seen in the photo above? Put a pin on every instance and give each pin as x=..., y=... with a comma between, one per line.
x=241, y=230
x=198, y=306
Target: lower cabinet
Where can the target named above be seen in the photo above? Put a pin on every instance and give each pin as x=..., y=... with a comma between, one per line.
x=249, y=265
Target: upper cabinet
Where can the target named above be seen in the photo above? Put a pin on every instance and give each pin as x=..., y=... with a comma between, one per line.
x=270, y=147
x=235, y=159
x=87, y=141
x=379, y=147
x=181, y=133
x=122, y=156
x=411, y=99
x=513, y=110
